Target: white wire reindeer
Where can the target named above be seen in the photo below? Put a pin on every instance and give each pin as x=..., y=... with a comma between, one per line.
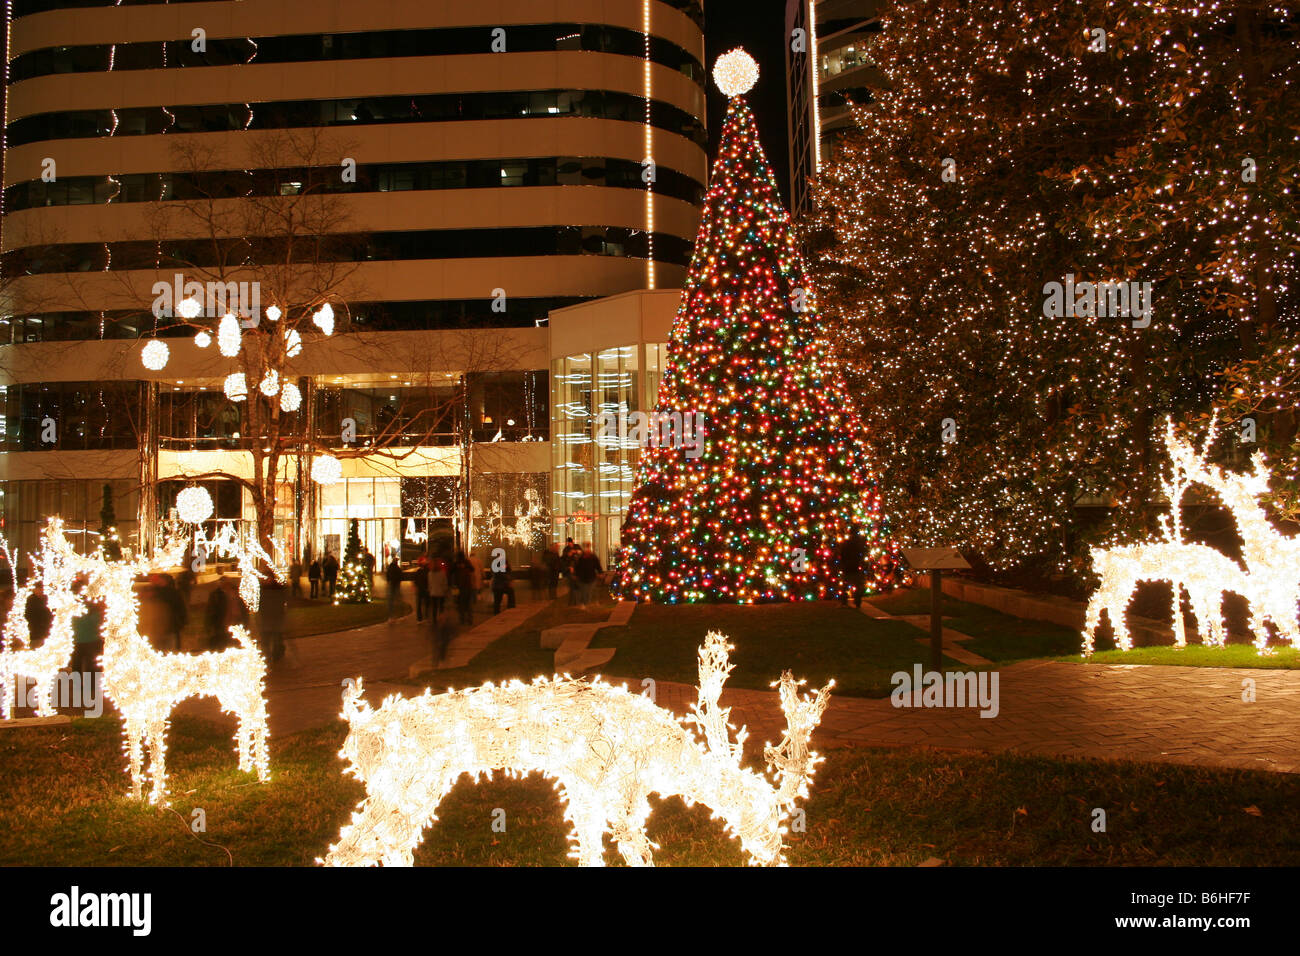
x=607, y=749
x=1269, y=580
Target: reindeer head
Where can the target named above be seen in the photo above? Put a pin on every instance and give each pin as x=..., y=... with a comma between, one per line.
x=756, y=809
x=364, y=746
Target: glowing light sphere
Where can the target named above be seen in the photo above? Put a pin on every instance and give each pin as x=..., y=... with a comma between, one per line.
x=154, y=355
x=190, y=308
x=735, y=72
x=270, y=385
x=290, y=397
x=228, y=335
x=292, y=343
x=324, y=318
x=203, y=339
x=194, y=505
x=608, y=750
x=235, y=387
x=326, y=470
x=273, y=313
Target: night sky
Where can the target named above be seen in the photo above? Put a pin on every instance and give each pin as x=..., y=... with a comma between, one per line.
x=758, y=26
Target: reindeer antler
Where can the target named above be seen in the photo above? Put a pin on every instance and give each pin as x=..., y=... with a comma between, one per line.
x=791, y=759
x=712, y=719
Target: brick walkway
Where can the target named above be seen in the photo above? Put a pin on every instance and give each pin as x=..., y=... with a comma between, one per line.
x=1187, y=715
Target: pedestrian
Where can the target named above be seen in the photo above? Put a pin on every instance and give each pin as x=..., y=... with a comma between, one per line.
x=466, y=579
x=420, y=577
x=442, y=634
x=87, y=646
x=585, y=569
x=225, y=609
x=368, y=560
x=270, y=620
x=851, y=553
x=501, y=585
x=185, y=582
x=439, y=586
x=567, y=558
x=551, y=558
x=330, y=573
x=536, y=575
x=175, y=614
x=39, y=617
x=313, y=577
x=394, y=576
x=295, y=579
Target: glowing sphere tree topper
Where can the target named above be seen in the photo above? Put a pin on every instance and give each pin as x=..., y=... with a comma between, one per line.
x=735, y=72
x=154, y=355
x=607, y=749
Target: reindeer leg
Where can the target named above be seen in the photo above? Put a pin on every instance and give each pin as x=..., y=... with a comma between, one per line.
x=1091, y=621
x=1118, y=614
x=243, y=741
x=158, y=764
x=134, y=748
x=1180, y=631
x=629, y=833
x=588, y=833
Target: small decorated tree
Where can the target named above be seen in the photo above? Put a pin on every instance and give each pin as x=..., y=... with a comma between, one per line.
x=110, y=545
x=354, y=577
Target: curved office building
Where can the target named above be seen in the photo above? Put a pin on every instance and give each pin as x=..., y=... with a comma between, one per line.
x=471, y=167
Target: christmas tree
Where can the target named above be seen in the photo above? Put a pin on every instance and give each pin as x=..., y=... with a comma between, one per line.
x=354, y=577
x=754, y=511
x=110, y=545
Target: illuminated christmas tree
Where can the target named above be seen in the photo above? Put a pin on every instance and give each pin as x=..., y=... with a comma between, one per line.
x=754, y=506
x=354, y=577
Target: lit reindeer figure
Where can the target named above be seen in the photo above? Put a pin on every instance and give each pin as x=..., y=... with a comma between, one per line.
x=607, y=749
x=1272, y=560
x=19, y=661
x=145, y=684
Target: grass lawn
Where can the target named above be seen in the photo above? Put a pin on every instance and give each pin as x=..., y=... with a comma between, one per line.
x=815, y=640
x=1003, y=638
x=306, y=618
x=62, y=803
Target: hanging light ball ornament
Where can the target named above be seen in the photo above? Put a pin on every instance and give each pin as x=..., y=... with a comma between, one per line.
x=326, y=470
x=290, y=397
x=194, y=505
x=292, y=343
x=236, y=388
x=736, y=72
x=270, y=386
x=190, y=308
x=324, y=318
x=203, y=339
x=154, y=355
x=273, y=313
x=228, y=335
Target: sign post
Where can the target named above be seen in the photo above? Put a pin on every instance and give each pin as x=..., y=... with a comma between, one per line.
x=936, y=561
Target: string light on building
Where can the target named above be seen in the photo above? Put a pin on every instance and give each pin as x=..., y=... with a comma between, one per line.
x=607, y=750
x=326, y=470
x=235, y=387
x=194, y=505
x=154, y=355
x=228, y=335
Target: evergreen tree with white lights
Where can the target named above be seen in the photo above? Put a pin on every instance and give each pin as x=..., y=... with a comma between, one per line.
x=755, y=513
x=354, y=577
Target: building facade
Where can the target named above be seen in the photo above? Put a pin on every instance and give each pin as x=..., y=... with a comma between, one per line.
x=458, y=174
x=831, y=70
